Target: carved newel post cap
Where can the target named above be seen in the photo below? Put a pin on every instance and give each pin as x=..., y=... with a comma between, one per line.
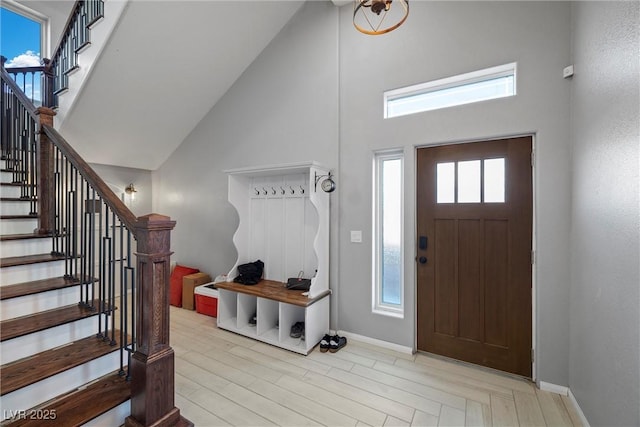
x=154, y=220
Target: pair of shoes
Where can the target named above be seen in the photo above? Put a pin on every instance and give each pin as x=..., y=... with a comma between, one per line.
x=325, y=343
x=297, y=330
x=336, y=343
x=253, y=320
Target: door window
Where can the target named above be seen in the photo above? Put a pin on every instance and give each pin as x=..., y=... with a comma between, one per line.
x=471, y=181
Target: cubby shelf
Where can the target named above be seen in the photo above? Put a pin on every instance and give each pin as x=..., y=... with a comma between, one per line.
x=276, y=310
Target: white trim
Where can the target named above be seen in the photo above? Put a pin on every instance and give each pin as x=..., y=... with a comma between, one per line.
x=578, y=409
x=377, y=306
x=384, y=344
x=554, y=388
x=534, y=266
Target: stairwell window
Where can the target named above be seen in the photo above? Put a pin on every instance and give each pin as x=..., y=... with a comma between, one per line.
x=388, y=232
x=24, y=41
x=483, y=85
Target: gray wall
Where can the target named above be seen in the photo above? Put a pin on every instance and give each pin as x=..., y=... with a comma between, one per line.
x=283, y=109
x=605, y=280
x=442, y=39
x=316, y=93
x=118, y=178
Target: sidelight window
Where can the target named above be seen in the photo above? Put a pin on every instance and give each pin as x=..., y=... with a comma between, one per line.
x=388, y=232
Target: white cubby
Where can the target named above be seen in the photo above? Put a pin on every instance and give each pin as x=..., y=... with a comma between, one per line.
x=274, y=317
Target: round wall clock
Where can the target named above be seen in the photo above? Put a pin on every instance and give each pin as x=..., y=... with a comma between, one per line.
x=328, y=185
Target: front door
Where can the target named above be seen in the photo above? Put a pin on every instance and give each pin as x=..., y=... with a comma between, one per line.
x=475, y=213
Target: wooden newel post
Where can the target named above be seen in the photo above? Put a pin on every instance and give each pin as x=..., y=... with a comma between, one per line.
x=152, y=365
x=45, y=185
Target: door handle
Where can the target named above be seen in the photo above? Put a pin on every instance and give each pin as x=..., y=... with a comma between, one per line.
x=422, y=260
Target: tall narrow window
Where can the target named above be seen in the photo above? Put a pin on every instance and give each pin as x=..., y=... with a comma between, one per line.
x=388, y=253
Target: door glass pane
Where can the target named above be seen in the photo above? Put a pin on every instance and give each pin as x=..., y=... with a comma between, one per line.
x=469, y=181
x=494, y=181
x=391, y=231
x=446, y=182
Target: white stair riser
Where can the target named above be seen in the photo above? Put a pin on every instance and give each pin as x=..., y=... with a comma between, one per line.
x=114, y=417
x=23, y=247
x=27, y=345
x=6, y=176
x=11, y=191
x=31, y=304
x=30, y=272
x=35, y=394
x=15, y=208
x=18, y=226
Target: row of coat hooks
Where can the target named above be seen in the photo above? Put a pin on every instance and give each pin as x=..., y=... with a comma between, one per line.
x=280, y=190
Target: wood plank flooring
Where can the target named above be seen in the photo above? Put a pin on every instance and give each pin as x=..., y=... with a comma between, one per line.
x=226, y=379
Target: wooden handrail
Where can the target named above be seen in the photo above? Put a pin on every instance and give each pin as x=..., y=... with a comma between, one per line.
x=18, y=70
x=106, y=194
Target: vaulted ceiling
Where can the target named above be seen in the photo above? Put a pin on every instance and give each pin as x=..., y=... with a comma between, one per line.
x=164, y=67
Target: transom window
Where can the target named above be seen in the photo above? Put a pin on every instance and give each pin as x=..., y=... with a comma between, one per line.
x=471, y=181
x=481, y=85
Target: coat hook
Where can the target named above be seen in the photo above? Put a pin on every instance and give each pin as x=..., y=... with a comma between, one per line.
x=301, y=189
x=281, y=190
x=273, y=191
x=292, y=190
x=256, y=190
x=265, y=191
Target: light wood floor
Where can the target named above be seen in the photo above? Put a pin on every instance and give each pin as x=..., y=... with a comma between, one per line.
x=225, y=379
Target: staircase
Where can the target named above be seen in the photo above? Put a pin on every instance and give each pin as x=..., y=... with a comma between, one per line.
x=84, y=323
x=54, y=368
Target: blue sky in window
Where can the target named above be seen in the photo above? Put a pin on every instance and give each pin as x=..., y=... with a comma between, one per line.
x=19, y=39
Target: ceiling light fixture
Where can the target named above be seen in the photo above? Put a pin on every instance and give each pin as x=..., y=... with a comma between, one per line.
x=374, y=17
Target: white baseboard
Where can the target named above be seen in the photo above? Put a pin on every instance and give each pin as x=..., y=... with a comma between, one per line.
x=565, y=391
x=583, y=418
x=554, y=388
x=379, y=343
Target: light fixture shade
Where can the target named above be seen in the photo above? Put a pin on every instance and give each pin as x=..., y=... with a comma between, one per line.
x=375, y=17
x=130, y=189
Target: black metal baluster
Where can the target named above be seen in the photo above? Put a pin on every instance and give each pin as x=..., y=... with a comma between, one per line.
x=92, y=248
x=35, y=171
x=112, y=284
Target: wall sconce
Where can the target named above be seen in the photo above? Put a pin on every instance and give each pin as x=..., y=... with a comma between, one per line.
x=131, y=190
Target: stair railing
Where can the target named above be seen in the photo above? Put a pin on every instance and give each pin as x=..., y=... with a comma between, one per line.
x=97, y=235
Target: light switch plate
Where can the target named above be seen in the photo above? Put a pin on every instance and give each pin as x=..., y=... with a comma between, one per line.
x=356, y=236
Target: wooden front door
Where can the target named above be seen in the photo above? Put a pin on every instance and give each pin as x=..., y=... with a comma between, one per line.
x=474, y=252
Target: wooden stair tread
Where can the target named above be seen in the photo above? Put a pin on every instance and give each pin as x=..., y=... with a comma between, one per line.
x=82, y=405
x=19, y=326
x=43, y=285
x=18, y=199
x=29, y=259
x=14, y=184
x=18, y=216
x=25, y=236
x=30, y=370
